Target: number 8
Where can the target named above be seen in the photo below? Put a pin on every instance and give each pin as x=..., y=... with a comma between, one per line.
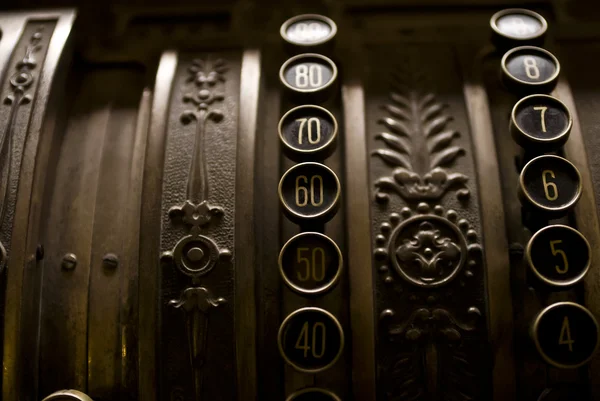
x=531, y=67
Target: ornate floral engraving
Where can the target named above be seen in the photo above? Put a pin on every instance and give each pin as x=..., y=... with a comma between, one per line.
x=428, y=249
x=21, y=86
x=196, y=302
x=432, y=337
x=424, y=251
x=195, y=254
x=418, y=143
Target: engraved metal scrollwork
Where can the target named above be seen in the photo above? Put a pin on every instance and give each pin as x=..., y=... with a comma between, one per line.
x=21, y=81
x=433, y=337
x=429, y=248
x=195, y=254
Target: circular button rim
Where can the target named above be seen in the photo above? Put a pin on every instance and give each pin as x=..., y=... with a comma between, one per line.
x=494, y=23
x=297, y=393
x=316, y=291
x=537, y=343
x=507, y=74
x=306, y=55
x=297, y=312
x=527, y=138
x=547, y=280
x=319, y=17
x=542, y=207
x=312, y=151
x=312, y=216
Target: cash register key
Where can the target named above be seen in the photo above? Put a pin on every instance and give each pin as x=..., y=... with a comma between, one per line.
x=558, y=255
x=310, y=263
x=540, y=123
x=310, y=339
x=529, y=69
x=313, y=394
x=549, y=184
x=308, y=132
x=308, y=30
x=565, y=335
x=309, y=192
x=517, y=27
x=309, y=76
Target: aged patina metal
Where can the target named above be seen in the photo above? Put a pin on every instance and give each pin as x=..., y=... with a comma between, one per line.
x=329, y=200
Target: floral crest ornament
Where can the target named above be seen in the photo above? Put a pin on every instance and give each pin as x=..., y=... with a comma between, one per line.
x=427, y=248
x=195, y=255
x=419, y=145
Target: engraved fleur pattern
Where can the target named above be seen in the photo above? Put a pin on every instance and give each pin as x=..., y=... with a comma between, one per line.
x=204, y=76
x=196, y=255
x=430, y=251
x=21, y=86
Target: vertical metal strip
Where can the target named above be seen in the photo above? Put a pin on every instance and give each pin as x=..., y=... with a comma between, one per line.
x=150, y=227
x=30, y=192
x=129, y=285
x=109, y=257
x=494, y=231
x=587, y=218
x=245, y=300
x=360, y=270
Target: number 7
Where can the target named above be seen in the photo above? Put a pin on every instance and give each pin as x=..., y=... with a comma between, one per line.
x=543, y=110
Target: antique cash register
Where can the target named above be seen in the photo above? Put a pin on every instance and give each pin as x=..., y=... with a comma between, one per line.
x=337, y=200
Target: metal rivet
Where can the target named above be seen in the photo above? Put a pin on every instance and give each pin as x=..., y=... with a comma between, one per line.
x=110, y=260
x=69, y=261
x=39, y=252
x=195, y=254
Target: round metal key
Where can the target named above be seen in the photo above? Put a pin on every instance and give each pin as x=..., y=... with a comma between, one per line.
x=565, y=335
x=559, y=255
x=550, y=184
x=308, y=132
x=310, y=263
x=313, y=394
x=309, y=191
x=530, y=69
x=308, y=30
x=309, y=75
x=517, y=27
x=67, y=395
x=311, y=339
x=540, y=123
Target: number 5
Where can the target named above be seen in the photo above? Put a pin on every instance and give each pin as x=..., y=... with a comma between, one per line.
x=562, y=254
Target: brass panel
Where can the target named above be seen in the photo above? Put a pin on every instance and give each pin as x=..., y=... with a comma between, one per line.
x=432, y=335
x=33, y=72
x=87, y=263
x=196, y=351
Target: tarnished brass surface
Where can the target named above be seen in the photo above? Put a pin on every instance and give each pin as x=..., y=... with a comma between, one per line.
x=153, y=201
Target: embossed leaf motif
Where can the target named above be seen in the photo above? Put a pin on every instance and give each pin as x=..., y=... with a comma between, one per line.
x=429, y=251
x=436, y=336
x=419, y=145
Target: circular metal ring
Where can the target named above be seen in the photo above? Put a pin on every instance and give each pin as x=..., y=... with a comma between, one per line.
x=280, y=339
x=322, y=18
